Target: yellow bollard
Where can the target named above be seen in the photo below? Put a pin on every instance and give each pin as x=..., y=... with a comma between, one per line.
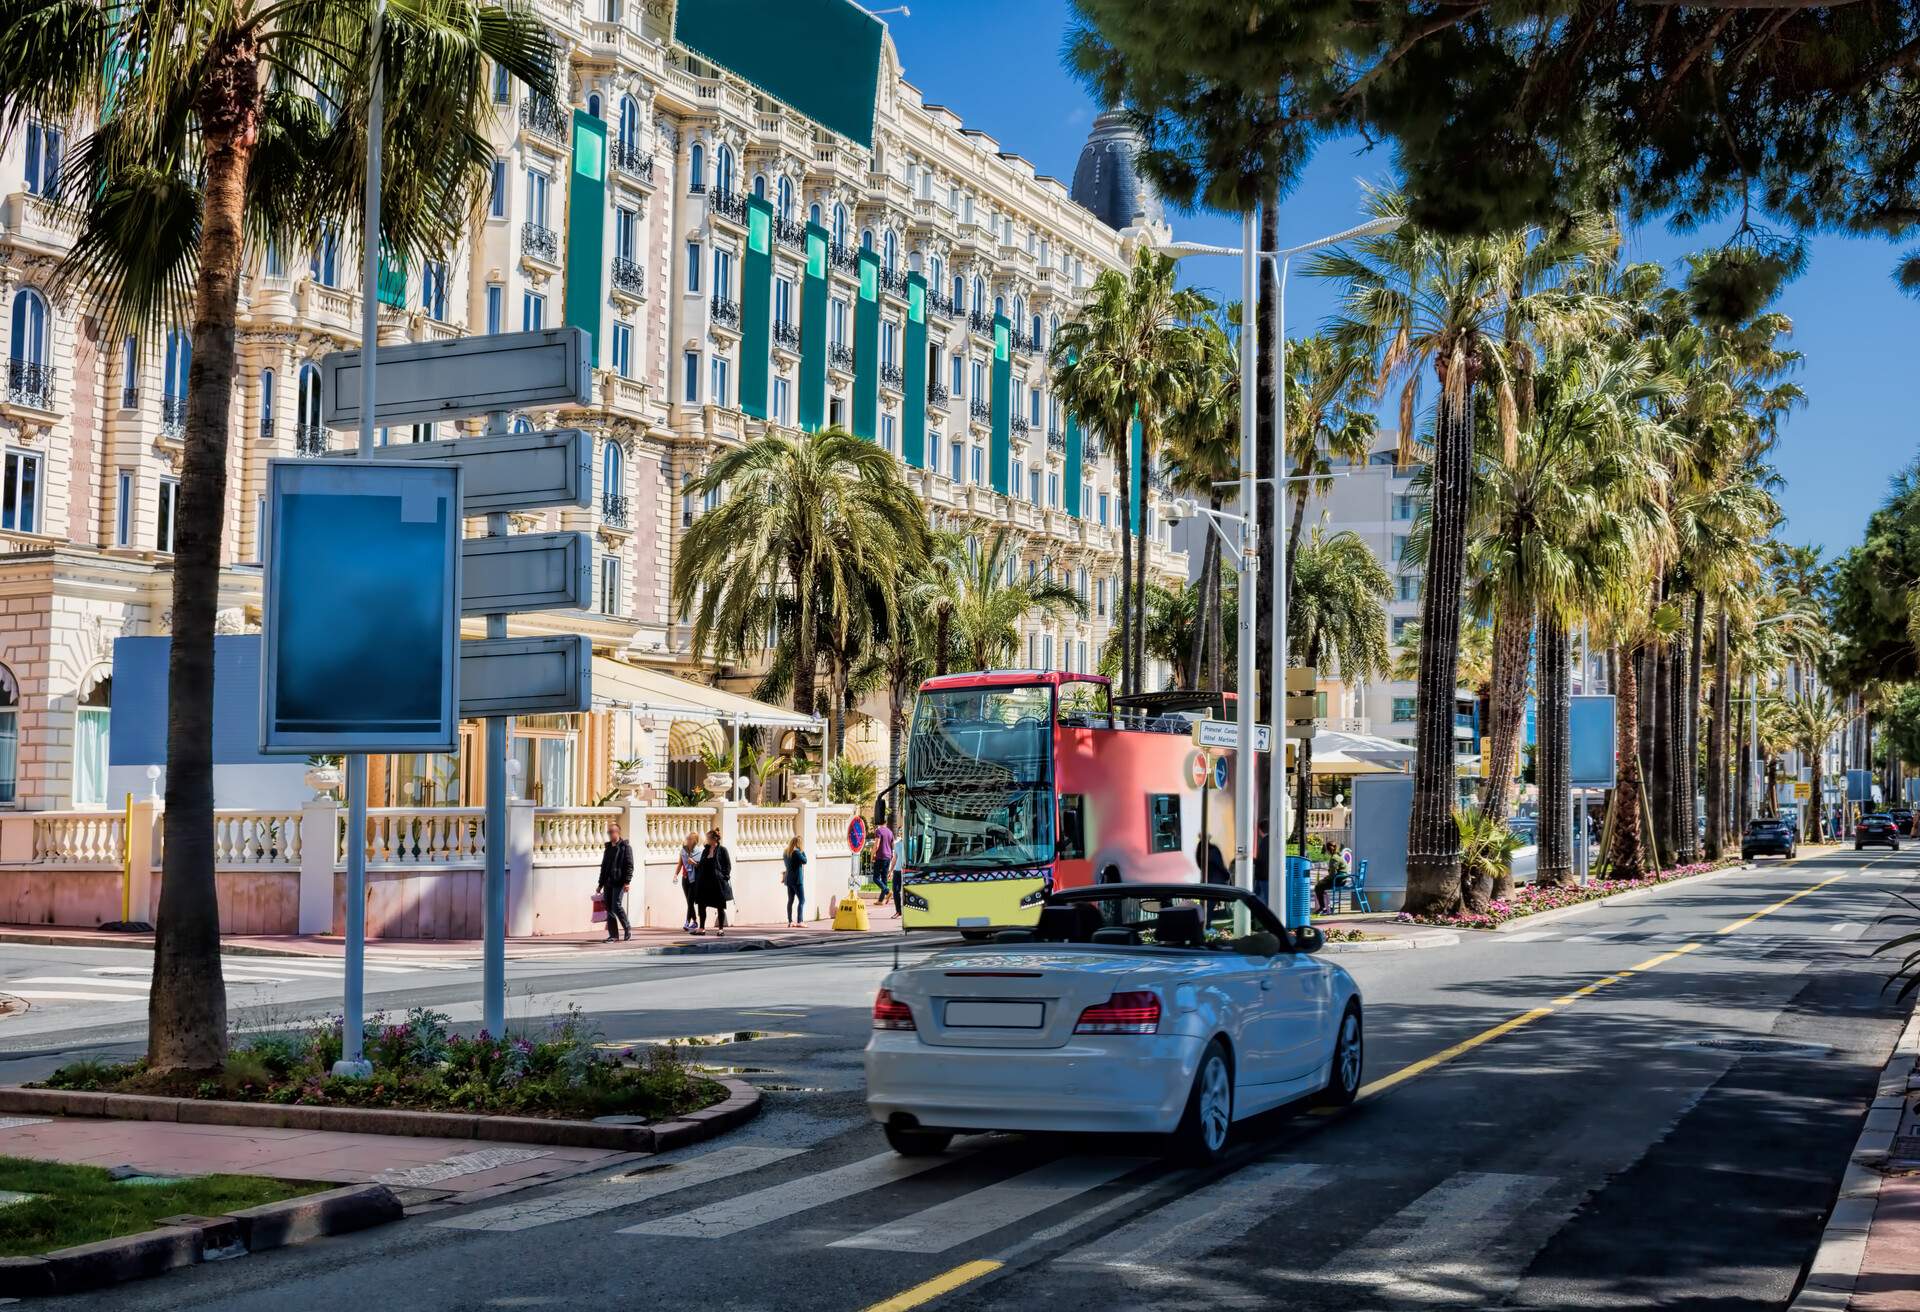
x=851, y=913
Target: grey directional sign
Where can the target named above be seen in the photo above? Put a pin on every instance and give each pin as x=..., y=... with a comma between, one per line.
x=526, y=676
x=529, y=571
x=425, y=381
x=514, y=471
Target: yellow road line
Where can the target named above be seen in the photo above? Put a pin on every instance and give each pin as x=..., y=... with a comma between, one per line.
x=1794, y=897
x=944, y=1283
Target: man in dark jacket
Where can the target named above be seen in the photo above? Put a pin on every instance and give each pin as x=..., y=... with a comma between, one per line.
x=616, y=877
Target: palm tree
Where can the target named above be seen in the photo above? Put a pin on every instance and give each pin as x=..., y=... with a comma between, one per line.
x=1814, y=719
x=1330, y=419
x=817, y=517
x=1464, y=308
x=216, y=125
x=1338, y=609
x=995, y=599
x=1476, y=654
x=934, y=592
x=1126, y=358
x=1203, y=456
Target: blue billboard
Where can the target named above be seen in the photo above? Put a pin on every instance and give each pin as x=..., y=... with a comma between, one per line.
x=1590, y=741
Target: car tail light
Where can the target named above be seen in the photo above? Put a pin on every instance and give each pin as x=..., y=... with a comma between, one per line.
x=889, y=1013
x=1123, y=1013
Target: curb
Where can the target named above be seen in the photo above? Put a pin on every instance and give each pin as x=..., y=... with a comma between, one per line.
x=532, y=954
x=1519, y=923
x=740, y=1105
x=188, y=1240
x=1835, y=1268
x=1433, y=938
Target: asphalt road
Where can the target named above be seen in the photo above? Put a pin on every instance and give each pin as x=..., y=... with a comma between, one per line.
x=1637, y=1106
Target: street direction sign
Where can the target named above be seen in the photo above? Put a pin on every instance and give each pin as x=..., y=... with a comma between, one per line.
x=1220, y=772
x=426, y=381
x=526, y=676
x=1226, y=734
x=1302, y=705
x=529, y=571
x=514, y=471
x=1300, y=678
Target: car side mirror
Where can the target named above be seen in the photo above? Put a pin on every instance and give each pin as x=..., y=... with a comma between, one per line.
x=1310, y=938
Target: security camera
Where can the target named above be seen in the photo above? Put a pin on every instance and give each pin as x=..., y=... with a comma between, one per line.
x=1181, y=508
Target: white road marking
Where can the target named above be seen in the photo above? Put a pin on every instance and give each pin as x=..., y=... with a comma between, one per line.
x=49, y=995
x=621, y=1191
x=449, y=1168
x=983, y=1211
x=1430, y=1251
x=777, y=1202
x=1528, y=936
x=1195, y=1224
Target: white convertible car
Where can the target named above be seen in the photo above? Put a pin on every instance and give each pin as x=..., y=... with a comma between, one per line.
x=1129, y=1008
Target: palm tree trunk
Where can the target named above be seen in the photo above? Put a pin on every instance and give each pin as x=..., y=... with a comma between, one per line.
x=1196, y=666
x=1139, y=628
x=1124, y=615
x=1304, y=794
x=1679, y=780
x=1507, y=706
x=1819, y=806
x=1626, y=855
x=805, y=658
x=1551, y=762
x=1433, y=838
x=1690, y=743
x=941, y=628
x=1216, y=620
x=1717, y=739
x=1661, y=765
x=187, y=1004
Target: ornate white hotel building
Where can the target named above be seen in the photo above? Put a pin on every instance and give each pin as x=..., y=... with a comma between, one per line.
x=739, y=264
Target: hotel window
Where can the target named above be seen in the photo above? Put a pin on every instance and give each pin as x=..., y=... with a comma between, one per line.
x=959, y=369
x=622, y=350
x=166, y=514
x=610, y=585
x=266, y=403
x=694, y=256
x=979, y=465
x=533, y=311
x=1033, y=407
x=978, y=390
x=889, y=339
x=43, y=159
x=886, y=432
x=626, y=228
x=179, y=364
x=1400, y=623
x=92, y=730
x=501, y=91
x=784, y=200
x=723, y=273
x=496, y=307
x=1403, y=712
x=1033, y=485
x=1103, y=510
x=697, y=168
x=129, y=372
x=783, y=300
x=723, y=169
x=958, y=466
x=721, y=394
x=1053, y=489
x=497, y=202
x=1401, y=546
x=433, y=289
x=259, y=530
x=687, y=501
x=325, y=262
x=1407, y=588
x=123, y=509
x=837, y=322
x=1046, y=651
x=1100, y=596
x=691, y=361
x=1081, y=664
x=538, y=184
x=782, y=395
x=1404, y=506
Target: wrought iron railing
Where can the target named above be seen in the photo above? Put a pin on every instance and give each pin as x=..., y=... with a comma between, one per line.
x=844, y=256
x=30, y=384
x=310, y=439
x=1017, y=425
x=892, y=376
x=614, y=510
x=786, y=334
x=940, y=305
x=728, y=205
x=173, y=413
x=129, y=398
x=1056, y=440
x=980, y=323
x=726, y=312
x=840, y=356
x=628, y=276
x=541, y=243
x=938, y=393
x=980, y=410
x=892, y=280
x=544, y=115
x=790, y=233
x=629, y=158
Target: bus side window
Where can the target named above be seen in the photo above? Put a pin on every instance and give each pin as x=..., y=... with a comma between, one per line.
x=1163, y=822
x=1073, y=831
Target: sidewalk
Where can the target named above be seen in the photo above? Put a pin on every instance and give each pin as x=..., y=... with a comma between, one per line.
x=646, y=942
x=1869, y=1258
x=423, y=1172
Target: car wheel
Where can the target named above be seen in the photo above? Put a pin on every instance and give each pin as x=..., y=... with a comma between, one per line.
x=917, y=1143
x=1349, y=1051
x=1208, y=1123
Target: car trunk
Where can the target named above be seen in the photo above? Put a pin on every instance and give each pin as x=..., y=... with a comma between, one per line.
x=1014, y=999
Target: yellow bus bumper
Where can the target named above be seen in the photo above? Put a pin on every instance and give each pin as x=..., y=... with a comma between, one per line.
x=977, y=904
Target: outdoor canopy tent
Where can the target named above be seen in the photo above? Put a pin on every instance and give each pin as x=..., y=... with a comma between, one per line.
x=694, y=712
x=1358, y=753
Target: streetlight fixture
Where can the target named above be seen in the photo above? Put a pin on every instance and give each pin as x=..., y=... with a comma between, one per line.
x=1249, y=255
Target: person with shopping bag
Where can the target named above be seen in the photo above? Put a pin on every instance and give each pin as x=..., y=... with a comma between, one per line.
x=616, y=877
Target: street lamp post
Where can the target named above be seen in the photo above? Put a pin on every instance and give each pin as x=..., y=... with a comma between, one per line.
x=1249, y=254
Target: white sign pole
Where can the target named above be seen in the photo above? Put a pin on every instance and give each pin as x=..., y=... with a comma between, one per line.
x=353, y=1062
x=493, y=931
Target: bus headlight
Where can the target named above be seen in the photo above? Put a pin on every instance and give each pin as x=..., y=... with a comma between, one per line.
x=914, y=900
x=1035, y=898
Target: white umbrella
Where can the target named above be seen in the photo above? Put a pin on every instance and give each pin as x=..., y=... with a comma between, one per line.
x=1329, y=743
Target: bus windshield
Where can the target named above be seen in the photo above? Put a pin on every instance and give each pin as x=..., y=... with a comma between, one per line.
x=980, y=778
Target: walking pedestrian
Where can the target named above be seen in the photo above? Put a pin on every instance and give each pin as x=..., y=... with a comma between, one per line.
x=689, y=874
x=795, y=861
x=713, y=883
x=616, y=877
x=883, y=870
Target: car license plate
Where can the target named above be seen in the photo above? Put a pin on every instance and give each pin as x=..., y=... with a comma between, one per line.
x=996, y=1015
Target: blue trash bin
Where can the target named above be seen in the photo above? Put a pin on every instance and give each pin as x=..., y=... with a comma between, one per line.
x=1299, y=903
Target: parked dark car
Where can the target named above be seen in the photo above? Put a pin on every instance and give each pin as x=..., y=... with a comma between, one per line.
x=1877, y=829
x=1768, y=836
x=1902, y=820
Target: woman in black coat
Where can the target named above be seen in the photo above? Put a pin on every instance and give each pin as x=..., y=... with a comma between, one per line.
x=713, y=883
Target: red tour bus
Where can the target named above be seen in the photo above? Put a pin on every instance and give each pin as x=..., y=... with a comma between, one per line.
x=1018, y=782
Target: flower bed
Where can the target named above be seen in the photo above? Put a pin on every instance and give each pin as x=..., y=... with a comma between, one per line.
x=1530, y=899
x=419, y=1064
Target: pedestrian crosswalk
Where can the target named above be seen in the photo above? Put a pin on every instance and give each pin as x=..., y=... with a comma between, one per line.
x=245, y=976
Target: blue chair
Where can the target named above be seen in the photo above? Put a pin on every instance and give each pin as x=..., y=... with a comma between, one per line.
x=1360, y=902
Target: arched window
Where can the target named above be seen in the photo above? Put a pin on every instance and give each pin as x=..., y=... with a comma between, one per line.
x=9, y=733
x=891, y=250
x=913, y=262
x=27, y=350
x=979, y=294
x=813, y=215
x=999, y=306
x=593, y=105
x=522, y=424
x=629, y=124
x=179, y=363
x=786, y=200
x=840, y=225
x=1053, y=329
x=866, y=239
x=697, y=167
x=92, y=726
x=936, y=269
x=959, y=293
x=612, y=470
x=723, y=169
x=309, y=399
x=1038, y=340
x=266, y=403
x=760, y=185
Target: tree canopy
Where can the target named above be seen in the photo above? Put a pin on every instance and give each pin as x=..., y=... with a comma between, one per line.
x=1875, y=588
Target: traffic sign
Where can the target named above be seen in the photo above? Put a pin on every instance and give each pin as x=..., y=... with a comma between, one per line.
x=515, y=471
x=531, y=571
x=856, y=834
x=1199, y=769
x=1302, y=678
x=1220, y=772
x=1225, y=735
x=426, y=381
x=526, y=676
x=1302, y=706
x=1803, y=792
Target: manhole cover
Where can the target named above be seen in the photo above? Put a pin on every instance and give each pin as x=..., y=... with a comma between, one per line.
x=1755, y=1046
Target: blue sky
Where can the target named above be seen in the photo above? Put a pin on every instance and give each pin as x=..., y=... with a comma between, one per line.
x=997, y=64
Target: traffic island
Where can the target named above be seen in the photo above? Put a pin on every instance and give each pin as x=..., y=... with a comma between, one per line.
x=66, y=1228
x=1537, y=902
